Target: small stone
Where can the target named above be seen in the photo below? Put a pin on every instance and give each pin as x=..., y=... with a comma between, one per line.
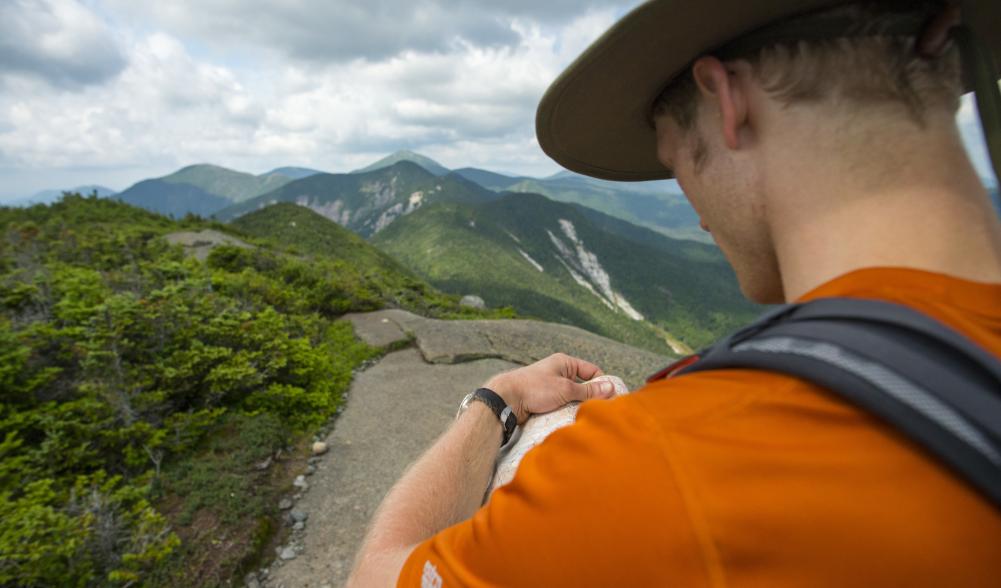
x=310, y=469
x=472, y=301
x=252, y=581
x=299, y=516
x=284, y=504
x=265, y=571
x=298, y=526
x=319, y=448
x=313, y=460
x=288, y=553
x=300, y=482
x=264, y=464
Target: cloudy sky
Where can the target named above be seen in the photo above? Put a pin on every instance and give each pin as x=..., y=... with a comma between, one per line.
x=113, y=91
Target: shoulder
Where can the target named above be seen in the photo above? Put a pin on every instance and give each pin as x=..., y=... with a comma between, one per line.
x=708, y=396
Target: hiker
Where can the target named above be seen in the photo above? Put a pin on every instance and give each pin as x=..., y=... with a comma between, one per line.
x=817, y=141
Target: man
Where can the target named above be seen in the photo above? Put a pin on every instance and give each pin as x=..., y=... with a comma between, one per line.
x=823, y=156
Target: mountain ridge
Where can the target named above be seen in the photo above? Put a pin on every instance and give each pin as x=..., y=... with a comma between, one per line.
x=427, y=163
x=550, y=260
x=368, y=202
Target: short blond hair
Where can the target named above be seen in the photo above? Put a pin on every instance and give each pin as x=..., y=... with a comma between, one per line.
x=859, y=71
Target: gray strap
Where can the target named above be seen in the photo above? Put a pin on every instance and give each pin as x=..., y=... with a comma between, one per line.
x=963, y=388
x=903, y=317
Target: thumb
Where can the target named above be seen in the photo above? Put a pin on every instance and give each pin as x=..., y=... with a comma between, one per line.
x=598, y=389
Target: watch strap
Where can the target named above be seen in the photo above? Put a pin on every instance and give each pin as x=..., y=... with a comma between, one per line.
x=500, y=408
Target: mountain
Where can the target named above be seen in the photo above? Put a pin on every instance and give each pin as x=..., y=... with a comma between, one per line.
x=656, y=205
x=199, y=189
x=368, y=202
x=489, y=179
x=300, y=230
x=563, y=263
x=232, y=185
x=296, y=173
x=404, y=155
x=309, y=232
x=663, y=211
x=172, y=199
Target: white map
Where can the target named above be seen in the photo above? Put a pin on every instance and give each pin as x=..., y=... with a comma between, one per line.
x=534, y=431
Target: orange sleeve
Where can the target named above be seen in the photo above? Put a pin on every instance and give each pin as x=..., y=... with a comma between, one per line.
x=594, y=505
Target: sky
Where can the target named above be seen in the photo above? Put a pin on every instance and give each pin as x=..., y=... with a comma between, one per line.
x=111, y=92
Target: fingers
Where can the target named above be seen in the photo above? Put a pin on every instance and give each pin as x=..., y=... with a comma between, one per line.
x=589, y=390
x=576, y=368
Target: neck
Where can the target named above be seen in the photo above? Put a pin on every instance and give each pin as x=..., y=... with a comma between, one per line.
x=922, y=208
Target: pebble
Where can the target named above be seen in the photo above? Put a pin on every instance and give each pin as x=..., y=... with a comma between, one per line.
x=264, y=464
x=299, y=516
x=319, y=448
x=298, y=526
x=284, y=504
x=252, y=581
x=288, y=553
x=300, y=482
x=310, y=470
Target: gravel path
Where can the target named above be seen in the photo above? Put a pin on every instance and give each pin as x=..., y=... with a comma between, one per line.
x=394, y=411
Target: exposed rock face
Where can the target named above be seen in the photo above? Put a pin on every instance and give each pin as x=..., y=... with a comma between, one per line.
x=200, y=243
x=587, y=271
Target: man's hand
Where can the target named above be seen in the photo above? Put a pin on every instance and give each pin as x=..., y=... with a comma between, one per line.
x=548, y=384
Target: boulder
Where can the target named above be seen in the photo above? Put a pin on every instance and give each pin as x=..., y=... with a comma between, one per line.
x=473, y=302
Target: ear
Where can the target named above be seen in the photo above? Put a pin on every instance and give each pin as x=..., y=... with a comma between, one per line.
x=721, y=91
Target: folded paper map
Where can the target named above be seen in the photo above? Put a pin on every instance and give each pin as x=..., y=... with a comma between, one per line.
x=534, y=432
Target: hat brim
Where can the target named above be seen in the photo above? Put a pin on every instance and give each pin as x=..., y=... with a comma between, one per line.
x=594, y=119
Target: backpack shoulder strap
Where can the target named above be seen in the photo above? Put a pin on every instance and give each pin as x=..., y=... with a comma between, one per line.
x=931, y=383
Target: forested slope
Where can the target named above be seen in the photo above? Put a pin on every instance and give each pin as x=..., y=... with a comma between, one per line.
x=142, y=390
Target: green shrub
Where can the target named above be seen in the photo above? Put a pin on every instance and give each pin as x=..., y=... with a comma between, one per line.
x=131, y=374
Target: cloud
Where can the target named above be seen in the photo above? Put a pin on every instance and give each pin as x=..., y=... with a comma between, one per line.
x=342, y=30
x=172, y=106
x=162, y=106
x=58, y=41
x=240, y=85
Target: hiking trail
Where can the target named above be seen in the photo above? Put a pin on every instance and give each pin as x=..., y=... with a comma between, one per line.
x=395, y=409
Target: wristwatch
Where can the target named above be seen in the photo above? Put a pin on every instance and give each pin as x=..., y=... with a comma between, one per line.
x=500, y=408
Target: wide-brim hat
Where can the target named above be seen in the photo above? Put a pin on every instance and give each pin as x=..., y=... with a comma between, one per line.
x=594, y=119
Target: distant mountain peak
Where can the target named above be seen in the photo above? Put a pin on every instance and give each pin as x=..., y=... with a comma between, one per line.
x=204, y=166
x=406, y=155
x=296, y=173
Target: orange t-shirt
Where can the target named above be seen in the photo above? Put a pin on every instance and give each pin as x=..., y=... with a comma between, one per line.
x=741, y=478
